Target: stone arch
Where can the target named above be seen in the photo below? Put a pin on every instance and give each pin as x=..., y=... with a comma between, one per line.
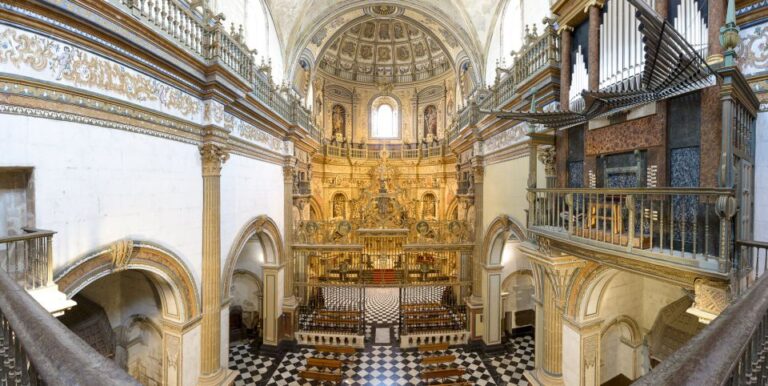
x=266, y=231
x=317, y=207
x=453, y=206
x=499, y=231
x=636, y=336
x=342, y=197
x=586, y=290
x=172, y=279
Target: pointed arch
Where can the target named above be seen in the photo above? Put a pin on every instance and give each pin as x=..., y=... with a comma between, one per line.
x=173, y=280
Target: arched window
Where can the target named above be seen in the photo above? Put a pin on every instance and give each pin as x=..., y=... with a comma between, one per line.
x=384, y=118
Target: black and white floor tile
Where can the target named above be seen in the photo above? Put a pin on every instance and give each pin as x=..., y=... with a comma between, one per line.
x=384, y=365
x=511, y=366
x=252, y=368
x=380, y=365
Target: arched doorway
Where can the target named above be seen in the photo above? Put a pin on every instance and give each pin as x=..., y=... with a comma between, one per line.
x=136, y=301
x=254, y=281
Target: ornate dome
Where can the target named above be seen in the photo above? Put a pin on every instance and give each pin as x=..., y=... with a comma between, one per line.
x=383, y=50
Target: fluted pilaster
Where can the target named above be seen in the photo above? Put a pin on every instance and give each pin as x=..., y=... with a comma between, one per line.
x=213, y=156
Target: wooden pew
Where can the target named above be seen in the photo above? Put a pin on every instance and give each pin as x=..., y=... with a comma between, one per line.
x=320, y=376
x=438, y=359
x=337, y=321
x=460, y=383
x=322, y=363
x=421, y=305
x=336, y=349
x=441, y=373
x=439, y=312
x=433, y=347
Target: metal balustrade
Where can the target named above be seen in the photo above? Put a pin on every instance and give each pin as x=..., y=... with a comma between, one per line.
x=733, y=349
x=27, y=258
x=36, y=349
x=681, y=225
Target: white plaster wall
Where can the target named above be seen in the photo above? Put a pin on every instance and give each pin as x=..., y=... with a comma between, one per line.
x=616, y=356
x=95, y=185
x=761, y=178
x=249, y=188
x=505, y=189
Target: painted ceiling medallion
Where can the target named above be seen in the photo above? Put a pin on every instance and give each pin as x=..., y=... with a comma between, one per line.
x=384, y=10
x=391, y=50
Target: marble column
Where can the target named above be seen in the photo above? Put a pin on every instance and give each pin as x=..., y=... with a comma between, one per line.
x=716, y=19
x=213, y=156
x=566, y=34
x=594, y=47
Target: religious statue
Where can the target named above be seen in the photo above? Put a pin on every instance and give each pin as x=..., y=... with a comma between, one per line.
x=338, y=120
x=338, y=206
x=430, y=121
x=428, y=207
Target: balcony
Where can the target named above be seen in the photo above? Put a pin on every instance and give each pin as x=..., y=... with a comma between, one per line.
x=393, y=152
x=687, y=227
x=27, y=259
x=205, y=37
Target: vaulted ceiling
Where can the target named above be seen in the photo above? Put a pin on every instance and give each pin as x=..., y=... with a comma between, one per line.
x=301, y=22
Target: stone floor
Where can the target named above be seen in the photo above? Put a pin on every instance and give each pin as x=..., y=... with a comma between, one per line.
x=384, y=365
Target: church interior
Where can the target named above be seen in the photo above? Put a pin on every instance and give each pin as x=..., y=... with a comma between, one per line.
x=399, y=192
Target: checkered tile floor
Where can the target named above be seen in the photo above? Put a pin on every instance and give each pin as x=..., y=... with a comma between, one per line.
x=385, y=365
x=252, y=368
x=519, y=358
x=380, y=365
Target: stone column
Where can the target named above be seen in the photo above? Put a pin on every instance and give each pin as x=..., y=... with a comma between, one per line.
x=594, y=47
x=289, y=299
x=554, y=274
x=581, y=344
x=213, y=156
x=272, y=306
x=716, y=19
x=478, y=171
x=566, y=33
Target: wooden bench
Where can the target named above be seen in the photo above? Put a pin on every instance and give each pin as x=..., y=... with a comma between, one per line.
x=320, y=376
x=439, y=312
x=433, y=347
x=450, y=372
x=428, y=322
x=336, y=349
x=322, y=363
x=421, y=305
x=336, y=321
x=438, y=359
x=354, y=314
x=460, y=383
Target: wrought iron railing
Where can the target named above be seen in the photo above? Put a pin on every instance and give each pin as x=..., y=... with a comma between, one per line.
x=732, y=350
x=36, y=349
x=684, y=225
x=28, y=258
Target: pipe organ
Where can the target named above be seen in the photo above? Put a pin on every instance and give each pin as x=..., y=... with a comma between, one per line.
x=622, y=54
x=691, y=20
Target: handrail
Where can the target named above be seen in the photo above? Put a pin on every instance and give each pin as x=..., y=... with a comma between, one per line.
x=644, y=191
x=729, y=350
x=28, y=258
x=35, y=348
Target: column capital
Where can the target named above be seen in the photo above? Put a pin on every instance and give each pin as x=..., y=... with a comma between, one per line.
x=547, y=156
x=213, y=157
x=594, y=3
